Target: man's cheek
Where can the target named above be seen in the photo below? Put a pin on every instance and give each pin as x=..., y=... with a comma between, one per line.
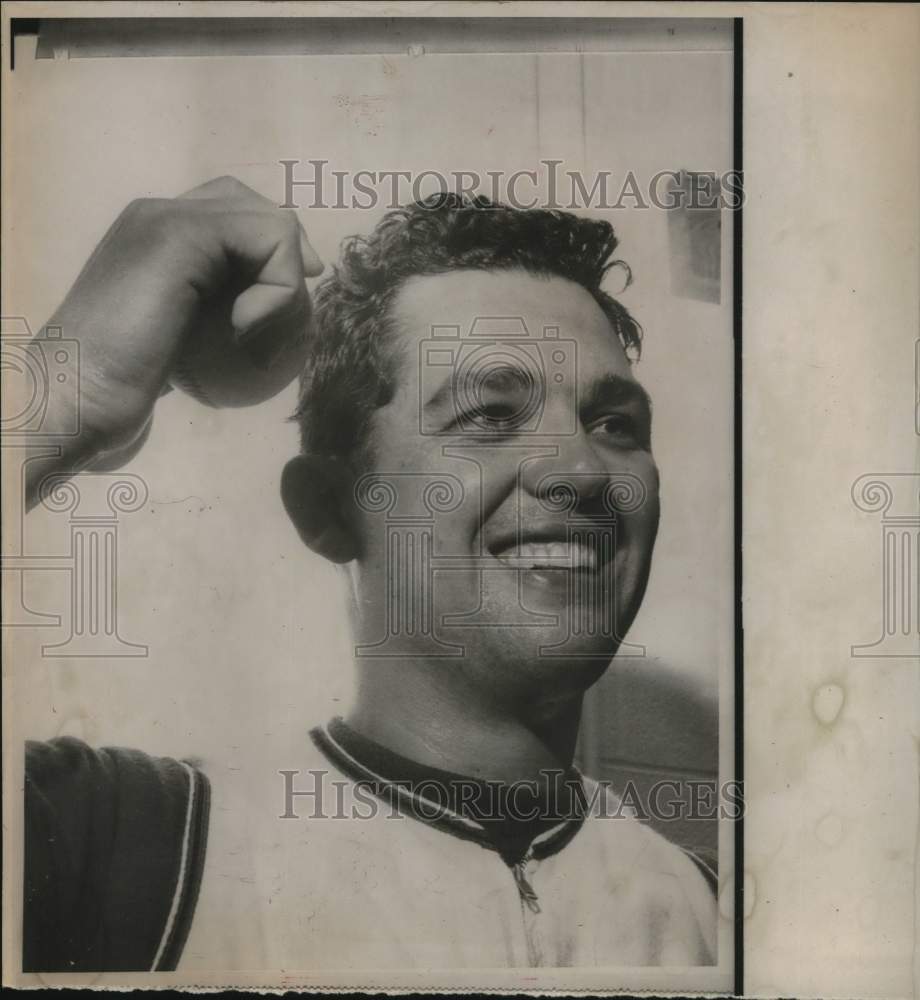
x=457, y=531
x=643, y=526
x=646, y=507
x=637, y=528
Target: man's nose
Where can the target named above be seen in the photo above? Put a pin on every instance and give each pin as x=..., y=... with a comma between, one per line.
x=575, y=477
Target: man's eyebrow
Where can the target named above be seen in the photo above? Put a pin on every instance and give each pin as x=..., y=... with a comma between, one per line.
x=613, y=390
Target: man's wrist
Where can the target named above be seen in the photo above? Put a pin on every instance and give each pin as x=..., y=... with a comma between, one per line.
x=64, y=441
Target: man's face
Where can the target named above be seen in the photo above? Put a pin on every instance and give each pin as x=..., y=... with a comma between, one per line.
x=512, y=539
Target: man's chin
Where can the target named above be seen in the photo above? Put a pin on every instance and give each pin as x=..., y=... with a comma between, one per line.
x=537, y=651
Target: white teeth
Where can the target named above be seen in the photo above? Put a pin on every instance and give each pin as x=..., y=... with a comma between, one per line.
x=549, y=555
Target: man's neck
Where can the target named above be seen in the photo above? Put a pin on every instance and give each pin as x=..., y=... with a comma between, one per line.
x=415, y=714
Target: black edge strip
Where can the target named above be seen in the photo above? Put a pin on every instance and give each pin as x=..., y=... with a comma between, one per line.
x=21, y=26
x=737, y=229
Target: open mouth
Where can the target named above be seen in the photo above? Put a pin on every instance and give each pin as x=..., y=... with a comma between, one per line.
x=572, y=556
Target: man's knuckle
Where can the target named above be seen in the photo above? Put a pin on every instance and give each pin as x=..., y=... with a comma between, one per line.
x=139, y=208
x=233, y=187
x=150, y=216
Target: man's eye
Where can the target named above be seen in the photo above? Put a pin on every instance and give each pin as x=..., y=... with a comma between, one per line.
x=622, y=427
x=493, y=418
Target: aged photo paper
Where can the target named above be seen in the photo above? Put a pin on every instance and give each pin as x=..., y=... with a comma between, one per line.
x=460, y=497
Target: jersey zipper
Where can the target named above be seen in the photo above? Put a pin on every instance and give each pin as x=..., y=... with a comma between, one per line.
x=530, y=909
x=526, y=891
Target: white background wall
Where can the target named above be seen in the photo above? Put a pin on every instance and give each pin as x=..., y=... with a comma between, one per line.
x=243, y=623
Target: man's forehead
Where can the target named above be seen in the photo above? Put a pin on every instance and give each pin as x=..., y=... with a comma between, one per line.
x=473, y=301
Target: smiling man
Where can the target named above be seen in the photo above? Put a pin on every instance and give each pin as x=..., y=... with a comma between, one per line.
x=476, y=455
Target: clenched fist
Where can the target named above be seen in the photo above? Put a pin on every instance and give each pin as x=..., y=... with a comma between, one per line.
x=179, y=290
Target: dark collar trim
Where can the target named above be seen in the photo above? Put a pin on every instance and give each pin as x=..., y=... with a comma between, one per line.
x=432, y=813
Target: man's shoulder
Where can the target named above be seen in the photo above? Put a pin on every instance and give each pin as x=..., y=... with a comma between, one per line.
x=106, y=831
x=118, y=789
x=59, y=762
x=636, y=846
x=650, y=874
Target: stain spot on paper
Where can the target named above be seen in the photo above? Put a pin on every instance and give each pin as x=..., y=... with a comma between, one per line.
x=827, y=703
x=364, y=110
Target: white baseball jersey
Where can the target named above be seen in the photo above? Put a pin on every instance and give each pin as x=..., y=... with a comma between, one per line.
x=353, y=883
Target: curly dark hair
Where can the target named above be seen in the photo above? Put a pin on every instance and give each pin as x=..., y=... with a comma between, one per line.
x=351, y=368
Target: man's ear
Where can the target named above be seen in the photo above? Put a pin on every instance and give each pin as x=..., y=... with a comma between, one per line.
x=318, y=496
